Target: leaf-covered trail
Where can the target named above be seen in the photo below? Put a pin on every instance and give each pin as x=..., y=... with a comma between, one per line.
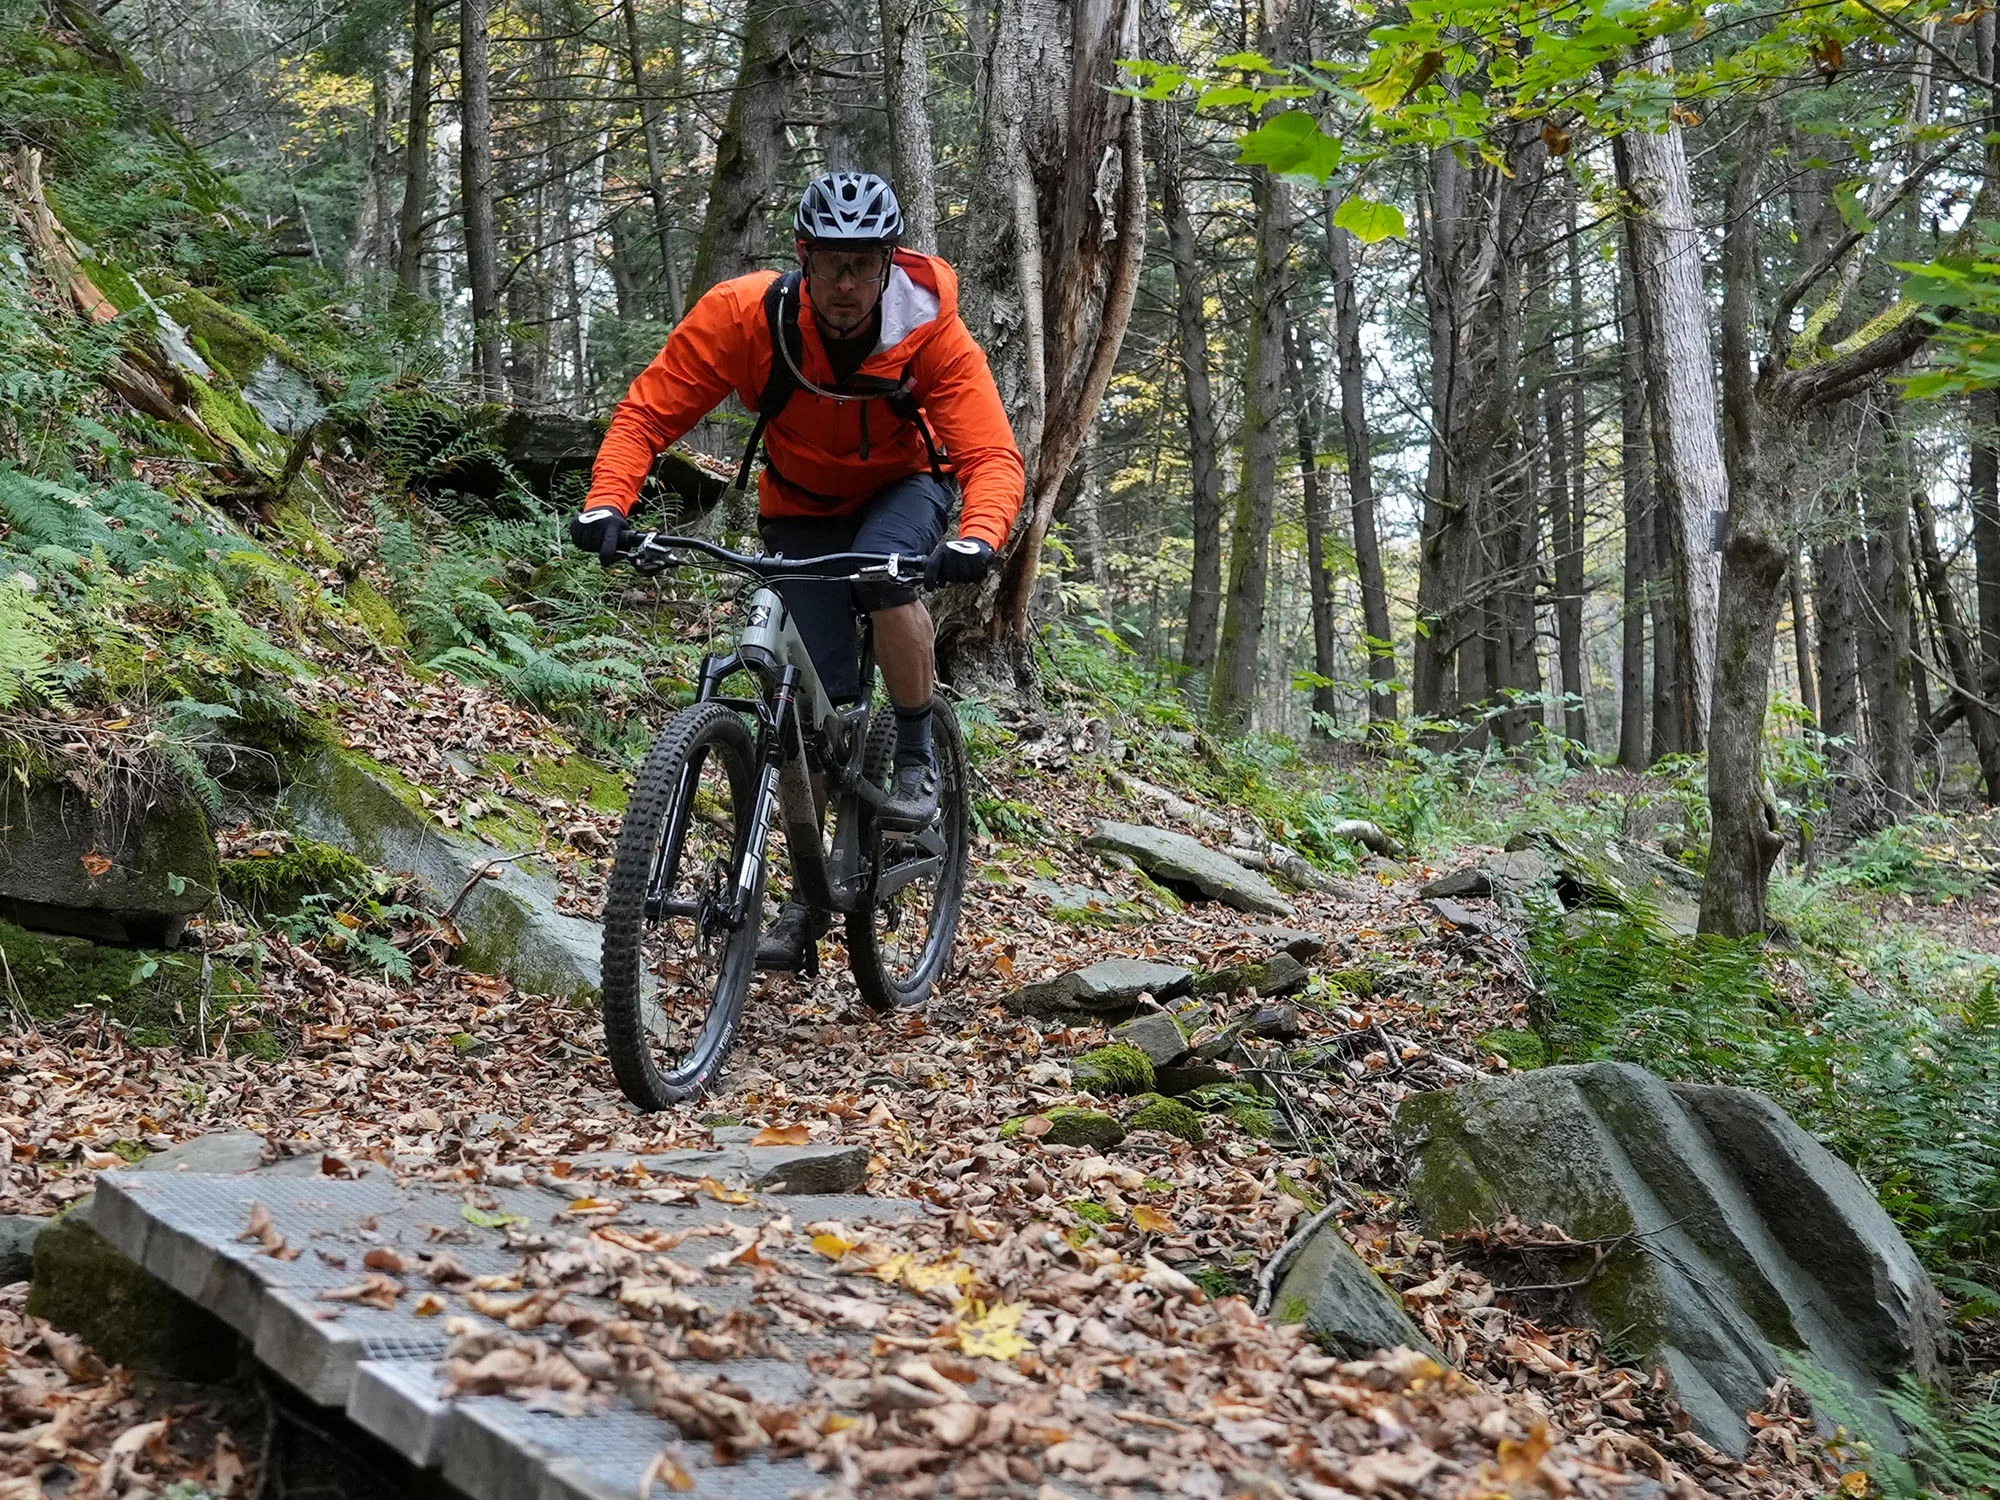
x=456, y=1077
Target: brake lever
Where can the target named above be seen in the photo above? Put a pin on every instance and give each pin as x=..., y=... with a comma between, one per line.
x=651, y=557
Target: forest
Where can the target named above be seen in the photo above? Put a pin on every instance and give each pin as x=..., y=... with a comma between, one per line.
x=1512, y=489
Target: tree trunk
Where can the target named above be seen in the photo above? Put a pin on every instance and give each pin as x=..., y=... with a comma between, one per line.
x=1802, y=652
x=1360, y=473
x=1837, y=587
x=1263, y=395
x=1636, y=482
x=416, y=154
x=1958, y=647
x=906, y=78
x=1985, y=496
x=1051, y=271
x=1662, y=238
x=753, y=150
x=1566, y=491
x=1887, y=665
x=1661, y=593
x=656, y=178
x=1303, y=369
x=1204, y=472
x=476, y=189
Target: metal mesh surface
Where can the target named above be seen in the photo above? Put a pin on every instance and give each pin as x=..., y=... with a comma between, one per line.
x=382, y=1366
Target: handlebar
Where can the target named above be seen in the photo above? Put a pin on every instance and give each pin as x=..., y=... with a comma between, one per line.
x=654, y=552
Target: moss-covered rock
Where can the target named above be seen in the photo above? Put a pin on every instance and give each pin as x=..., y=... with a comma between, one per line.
x=1522, y=1049
x=1073, y=1127
x=1155, y=1112
x=132, y=868
x=277, y=883
x=155, y=993
x=377, y=615
x=1117, y=1069
x=127, y=1315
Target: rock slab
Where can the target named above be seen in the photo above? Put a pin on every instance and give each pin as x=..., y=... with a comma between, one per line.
x=131, y=871
x=1111, y=986
x=18, y=1233
x=1190, y=866
x=1156, y=1034
x=509, y=917
x=1733, y=1234
x=1342, y=1302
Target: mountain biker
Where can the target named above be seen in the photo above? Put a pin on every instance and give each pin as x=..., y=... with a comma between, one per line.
x=868, y=333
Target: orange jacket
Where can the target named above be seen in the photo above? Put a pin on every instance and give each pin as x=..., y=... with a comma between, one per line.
x=724, y=345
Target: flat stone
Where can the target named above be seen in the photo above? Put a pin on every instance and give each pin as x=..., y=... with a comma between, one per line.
x=1277, y=1023
x=1189, y=1076
x=85, y=1286
x=1303, y=946
x=1109, y=987
x=1464, y=917
x=105, y=873
x=1342, y=1302
x=17, y=1246
x=1156, y=1034
x=814, y=1168
x=1190, y=866
x=1734, y=1235
x=219, y=1153
x=1510, y=875
x=1280, y=974
x=509, y=919
x=1620, y=875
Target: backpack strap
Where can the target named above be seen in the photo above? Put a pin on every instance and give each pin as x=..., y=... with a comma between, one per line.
x=781, y=317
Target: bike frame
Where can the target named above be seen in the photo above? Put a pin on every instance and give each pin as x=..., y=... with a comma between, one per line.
x=799, y=730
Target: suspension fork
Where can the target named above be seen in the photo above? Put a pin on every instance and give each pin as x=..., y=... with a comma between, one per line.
x=764, y=810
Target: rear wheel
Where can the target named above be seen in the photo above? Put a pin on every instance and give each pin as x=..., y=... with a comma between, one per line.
x=675, y=971
x=900, y=946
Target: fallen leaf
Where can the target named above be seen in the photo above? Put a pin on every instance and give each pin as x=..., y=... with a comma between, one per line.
x=95, y=865
x=372, y=1291
x=992, y=1333
x=382, y=1258
x=1152, y=1220
x=1037, y=1126
x=720, y=1193
x=664, y=1469
x=486, y=1219
x=781, y=1135
x=429, y=1305
x=832, y=1246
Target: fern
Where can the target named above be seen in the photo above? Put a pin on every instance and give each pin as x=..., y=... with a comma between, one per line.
x=1942, y=1453
x=29, y=633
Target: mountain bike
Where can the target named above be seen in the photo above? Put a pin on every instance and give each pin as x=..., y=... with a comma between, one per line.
x=685, y=903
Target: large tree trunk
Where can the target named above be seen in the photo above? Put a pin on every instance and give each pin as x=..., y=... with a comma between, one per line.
x=1303, y=368
x=1204, y=471
x=1802, y=652
x=1663, y=240
x=1051, y=271
x=476, y=189
x=1837, y=586
x=1360, y=473
x=1566, y=444
x=752, y=152
x=1887, y=661
x=416, y=154
x=1470, y=242
x=906, y=76
x=1236, y=679
x=656, y=178
x=1636, y=481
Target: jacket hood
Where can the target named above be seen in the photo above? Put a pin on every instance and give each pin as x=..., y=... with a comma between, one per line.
x=921, y=297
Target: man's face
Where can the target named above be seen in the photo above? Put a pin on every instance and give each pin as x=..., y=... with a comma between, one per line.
x=846, y=282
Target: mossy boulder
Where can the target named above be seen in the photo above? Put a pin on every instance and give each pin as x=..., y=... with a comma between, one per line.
x=1728, y=1234
x=509, y=919
x=1154, y=1112
x=156, y=993
x=125, y=1313
x=277, y=883
x=1072, y=1127
x=130, y=868
x=1280, y=974
x=1342, y=1302
x=1119, y=1068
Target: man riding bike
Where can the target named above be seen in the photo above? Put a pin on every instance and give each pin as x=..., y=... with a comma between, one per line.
x=864, y=332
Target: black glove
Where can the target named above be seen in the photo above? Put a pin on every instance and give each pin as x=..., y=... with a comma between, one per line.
x=600, y=531
x=962, y=560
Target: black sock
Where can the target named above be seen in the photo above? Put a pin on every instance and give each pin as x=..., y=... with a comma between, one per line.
x=913, y=735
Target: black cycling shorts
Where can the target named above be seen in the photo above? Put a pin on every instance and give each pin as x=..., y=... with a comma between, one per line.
x=907, y=518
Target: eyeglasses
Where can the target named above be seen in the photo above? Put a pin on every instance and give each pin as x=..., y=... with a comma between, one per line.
x=859, y=266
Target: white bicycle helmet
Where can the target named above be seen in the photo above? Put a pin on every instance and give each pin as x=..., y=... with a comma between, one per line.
x=855, y=206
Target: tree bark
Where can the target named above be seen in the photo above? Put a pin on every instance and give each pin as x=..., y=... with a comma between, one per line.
x=1360, y=473
x=656, y=178
x=1204, y=472
x=1887, y=632
x=1802, y=652
x=906, y=76
x=1663, y=240
x=1958, y=646
x=1566, y=447
x=1235, y=685
x=1636, y=482
x=754, y=148
x=1837, y=586
x=1303, y=369
x=476, y=189
x=416, y=153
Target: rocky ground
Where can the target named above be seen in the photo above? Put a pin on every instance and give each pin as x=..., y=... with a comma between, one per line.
x=1135, y=1266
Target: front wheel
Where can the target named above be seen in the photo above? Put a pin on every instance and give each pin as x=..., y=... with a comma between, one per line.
x=675, y=970
x=900, y=945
